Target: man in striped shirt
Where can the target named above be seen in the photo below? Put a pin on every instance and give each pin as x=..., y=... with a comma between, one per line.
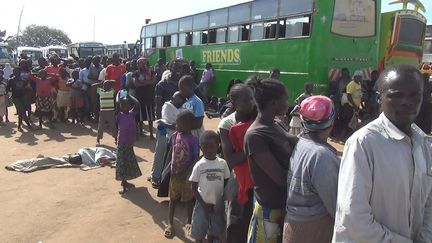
x=107, y=110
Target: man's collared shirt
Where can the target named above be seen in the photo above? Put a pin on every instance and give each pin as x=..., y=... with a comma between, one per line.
x=385, y=183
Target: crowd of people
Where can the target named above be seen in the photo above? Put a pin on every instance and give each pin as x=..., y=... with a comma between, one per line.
x=260, y=177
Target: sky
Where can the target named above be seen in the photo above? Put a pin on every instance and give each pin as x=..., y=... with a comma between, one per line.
x=115, y=21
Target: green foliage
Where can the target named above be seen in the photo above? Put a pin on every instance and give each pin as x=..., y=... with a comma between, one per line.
x=39, y=36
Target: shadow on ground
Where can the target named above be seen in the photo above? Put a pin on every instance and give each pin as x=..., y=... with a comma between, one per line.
x=159, y=211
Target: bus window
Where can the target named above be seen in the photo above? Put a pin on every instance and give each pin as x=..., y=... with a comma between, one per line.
x=97, y=52
x=204, y=37
x=150, y=30
x=282, y=29
x=159, y=41
x=245, y=32
x=257, y=31
x=200, y=21
x=196, y=38
x=172, y=26
x=411, y=32
x=239, y=14
x=185, y=39
x=297, y=27
x=153, y=42
x=218, y=18
x=185, y=24
x=427, y=48
x=221, y=35
x=233, y=34
x=161, y=28
x=4, y=52
x=148, y=43
x=270, y=30
x=212, y=36
x=287, y=8
x=167, y=41
x=264, y=9
x=85, y=52
x=174, y=40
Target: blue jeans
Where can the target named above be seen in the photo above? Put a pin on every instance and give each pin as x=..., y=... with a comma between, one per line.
x=159, y=156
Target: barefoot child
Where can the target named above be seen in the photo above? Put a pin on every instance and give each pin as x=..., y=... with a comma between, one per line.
x=76, y=98
x=44, y=100
x=126, y=166
x=183, y=152
x=106, y=114
x=209, y=176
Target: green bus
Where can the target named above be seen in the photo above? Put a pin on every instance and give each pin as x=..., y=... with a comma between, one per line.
x=308, y=40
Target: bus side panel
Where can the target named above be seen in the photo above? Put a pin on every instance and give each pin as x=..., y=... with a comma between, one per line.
x=333, y=51
x=242, y=60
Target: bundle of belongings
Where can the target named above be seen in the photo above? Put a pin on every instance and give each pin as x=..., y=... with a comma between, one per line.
x=85, y=159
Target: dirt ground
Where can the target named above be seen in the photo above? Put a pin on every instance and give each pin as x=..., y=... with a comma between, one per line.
x=70, y=205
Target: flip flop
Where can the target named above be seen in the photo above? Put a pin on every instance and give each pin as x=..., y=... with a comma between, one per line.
x=169, y=232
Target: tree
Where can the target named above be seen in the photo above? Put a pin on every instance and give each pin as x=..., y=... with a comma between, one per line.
x=39, y=36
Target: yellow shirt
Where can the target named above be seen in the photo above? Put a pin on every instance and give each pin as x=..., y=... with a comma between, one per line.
x=355, y=90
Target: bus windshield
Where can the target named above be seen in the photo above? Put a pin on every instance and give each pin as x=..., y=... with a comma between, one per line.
x=85, y=52
x=90, y=51
x=411, y=32
x=34, y=55
x=62, y=53
x=354, y=18
x=4, y=52
x=98, y=51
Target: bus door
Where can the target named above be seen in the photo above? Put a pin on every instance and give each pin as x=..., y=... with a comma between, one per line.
x=406, y=44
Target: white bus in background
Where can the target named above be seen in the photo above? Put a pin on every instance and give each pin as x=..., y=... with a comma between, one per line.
x=5, y=56
x=31, y=52
x=61, y=51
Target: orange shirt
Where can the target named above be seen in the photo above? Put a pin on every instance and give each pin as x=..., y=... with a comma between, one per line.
x=114, y=73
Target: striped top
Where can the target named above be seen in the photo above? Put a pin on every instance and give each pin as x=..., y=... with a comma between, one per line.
x=106, y=99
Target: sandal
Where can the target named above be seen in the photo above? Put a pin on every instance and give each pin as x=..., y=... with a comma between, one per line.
x=154, y=184
x=188, y=228
x=169, y=231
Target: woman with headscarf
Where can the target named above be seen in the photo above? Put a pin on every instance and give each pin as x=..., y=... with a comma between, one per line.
x=312, y=176
x=7, y=71
x=145, y=86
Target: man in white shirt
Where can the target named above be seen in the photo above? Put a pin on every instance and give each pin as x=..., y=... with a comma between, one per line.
x=385, y=179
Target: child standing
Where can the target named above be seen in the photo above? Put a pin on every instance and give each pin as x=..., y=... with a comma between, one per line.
x=183, y=152
x=107, y=110
x=165, y=129
x=44, y=100
x=127, y=166
x=76, y=98
x=3, y=98
x=295, y=123
x=63, y=95
x=209, y=177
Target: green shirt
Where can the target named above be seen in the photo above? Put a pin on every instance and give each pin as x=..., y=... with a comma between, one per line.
x=106, y=99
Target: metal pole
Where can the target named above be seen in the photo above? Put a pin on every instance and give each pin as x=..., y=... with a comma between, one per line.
x=19, y=26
